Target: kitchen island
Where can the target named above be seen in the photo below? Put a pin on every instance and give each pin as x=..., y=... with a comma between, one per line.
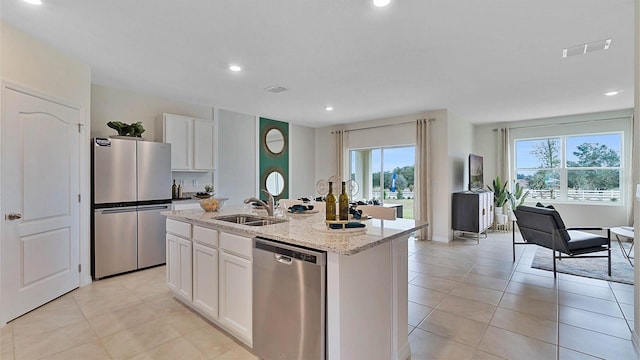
x=366, y=277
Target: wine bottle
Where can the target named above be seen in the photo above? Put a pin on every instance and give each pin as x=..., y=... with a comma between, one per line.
x=180, y=190
x=331, y=204
x=343, y=202
x=174, y=190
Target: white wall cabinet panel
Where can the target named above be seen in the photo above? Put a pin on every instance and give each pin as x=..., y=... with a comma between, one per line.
x=203, y=145
x=192, y=142
x=178, y=131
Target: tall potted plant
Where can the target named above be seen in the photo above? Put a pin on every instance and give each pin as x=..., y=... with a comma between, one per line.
x=500, y=197
x=516, y=198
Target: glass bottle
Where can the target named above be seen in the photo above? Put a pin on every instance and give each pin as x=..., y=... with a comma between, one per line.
x=331, y=204
x=343, y=201
x=174, y=190
x=180, y=190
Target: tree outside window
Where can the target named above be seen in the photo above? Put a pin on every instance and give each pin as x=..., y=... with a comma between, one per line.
x=589, y=169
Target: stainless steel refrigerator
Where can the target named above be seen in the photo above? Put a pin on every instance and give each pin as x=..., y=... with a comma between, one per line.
x=131, y=186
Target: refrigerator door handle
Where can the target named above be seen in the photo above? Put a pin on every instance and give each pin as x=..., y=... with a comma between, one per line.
x=118, y=210
x=154, y=207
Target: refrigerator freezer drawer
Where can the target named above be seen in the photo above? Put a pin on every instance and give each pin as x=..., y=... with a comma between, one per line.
x=115, y=244
x=151, y=235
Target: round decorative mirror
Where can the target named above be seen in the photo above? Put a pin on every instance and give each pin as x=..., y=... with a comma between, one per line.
x=274, y=141
x=275, y=183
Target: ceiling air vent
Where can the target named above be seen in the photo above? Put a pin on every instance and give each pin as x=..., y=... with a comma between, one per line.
x=586, y=48
x=276, y=89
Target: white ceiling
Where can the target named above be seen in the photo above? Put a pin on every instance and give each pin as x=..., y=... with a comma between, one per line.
x=485, y=61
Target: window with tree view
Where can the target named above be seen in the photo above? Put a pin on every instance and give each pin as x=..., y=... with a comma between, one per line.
x=583, y=168
x=385, y=176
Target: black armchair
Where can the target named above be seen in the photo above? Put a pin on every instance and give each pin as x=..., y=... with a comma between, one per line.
x=544, y=227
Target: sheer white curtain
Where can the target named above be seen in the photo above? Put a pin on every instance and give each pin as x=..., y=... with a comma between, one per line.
x=635, y=171
x=504, y=155
x=339, y=149
x=422, y=179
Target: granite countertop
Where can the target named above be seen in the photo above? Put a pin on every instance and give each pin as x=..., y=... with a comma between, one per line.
x=304, y=229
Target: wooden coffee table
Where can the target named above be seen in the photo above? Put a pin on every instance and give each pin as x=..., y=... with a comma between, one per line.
x=625, y=232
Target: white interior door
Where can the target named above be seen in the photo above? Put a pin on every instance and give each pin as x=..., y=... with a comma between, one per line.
x=40, y=187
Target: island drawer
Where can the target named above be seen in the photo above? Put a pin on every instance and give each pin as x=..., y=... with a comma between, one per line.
x=205, y=236
x=239, y=245
x=179, y=228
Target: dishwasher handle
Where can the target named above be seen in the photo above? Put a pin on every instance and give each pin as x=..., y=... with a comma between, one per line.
x=282, y=259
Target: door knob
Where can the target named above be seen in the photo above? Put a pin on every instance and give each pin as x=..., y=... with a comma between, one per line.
x=13, y=216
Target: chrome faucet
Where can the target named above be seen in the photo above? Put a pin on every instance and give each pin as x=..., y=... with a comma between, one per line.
x=269, y=205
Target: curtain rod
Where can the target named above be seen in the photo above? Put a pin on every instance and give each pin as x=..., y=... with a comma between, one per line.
x=380, y=126
x=564, y=123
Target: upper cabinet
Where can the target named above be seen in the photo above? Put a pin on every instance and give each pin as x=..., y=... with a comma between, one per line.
x=192, y=142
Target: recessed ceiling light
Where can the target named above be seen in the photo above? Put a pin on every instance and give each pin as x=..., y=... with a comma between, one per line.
x=235, y=68
x=381, y=3
x=33, y=2
x=612, y=93
x=329, y=108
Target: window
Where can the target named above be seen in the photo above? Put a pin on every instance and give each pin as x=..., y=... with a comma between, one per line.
x=572, y=168
x=395, y=186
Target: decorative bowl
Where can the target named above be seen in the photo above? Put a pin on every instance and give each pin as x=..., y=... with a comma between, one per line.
x=202, y=196
x=212, y=204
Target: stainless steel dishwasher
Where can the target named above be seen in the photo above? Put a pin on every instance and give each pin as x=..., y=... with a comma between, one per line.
x=289, y=289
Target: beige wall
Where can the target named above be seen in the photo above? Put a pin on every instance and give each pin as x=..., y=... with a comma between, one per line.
x=38, y=68
x=302, y=155
x=237, y=174
x=460, y=145
x=110, y=104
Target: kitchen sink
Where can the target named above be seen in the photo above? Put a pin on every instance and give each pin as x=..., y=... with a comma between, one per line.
x=249, y=220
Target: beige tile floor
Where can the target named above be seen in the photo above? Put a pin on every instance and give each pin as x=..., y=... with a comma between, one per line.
x=131, y=316
x=466, y=301
x=469, y=301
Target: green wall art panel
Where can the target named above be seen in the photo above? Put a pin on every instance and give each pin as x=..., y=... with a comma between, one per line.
x=274, y=158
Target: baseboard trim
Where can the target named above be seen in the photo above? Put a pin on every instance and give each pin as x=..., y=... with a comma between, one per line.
x=405, y=352
x=85, y=280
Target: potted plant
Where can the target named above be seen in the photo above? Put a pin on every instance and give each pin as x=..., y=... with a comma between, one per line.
x=500, y=197
x=516, y=198
x=124, y=129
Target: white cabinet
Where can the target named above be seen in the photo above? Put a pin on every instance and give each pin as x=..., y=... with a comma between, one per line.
x=173, y=263
x=179, y=249
x=236, y=285
x=203, y=145
x=178, y=131
x=212, y=272
x=192, y=142
x=205, y=271
x=179, y=266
